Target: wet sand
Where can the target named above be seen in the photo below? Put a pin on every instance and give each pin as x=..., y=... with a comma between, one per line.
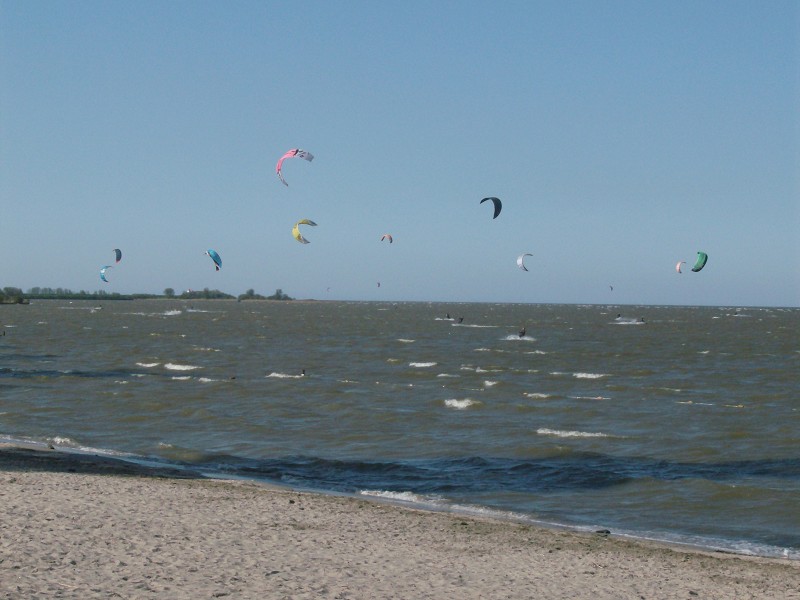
x=81, y=526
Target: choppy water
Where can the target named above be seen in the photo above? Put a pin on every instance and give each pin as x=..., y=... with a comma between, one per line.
x=683, y=427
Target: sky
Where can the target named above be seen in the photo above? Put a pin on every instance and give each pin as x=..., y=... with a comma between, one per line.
x=621, y=136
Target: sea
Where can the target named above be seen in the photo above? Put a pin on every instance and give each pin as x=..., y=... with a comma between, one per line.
x=677, y=424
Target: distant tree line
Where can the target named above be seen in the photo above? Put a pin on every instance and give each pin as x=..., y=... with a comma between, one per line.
x=12, y=295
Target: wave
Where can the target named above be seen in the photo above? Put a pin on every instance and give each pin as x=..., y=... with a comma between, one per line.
x=569, y=434
x=177, y=367
x=627, y=321
x=580, y=375
x=460, y=404
x=402, y=496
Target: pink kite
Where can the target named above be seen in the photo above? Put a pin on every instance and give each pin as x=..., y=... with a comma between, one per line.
x=294, y=152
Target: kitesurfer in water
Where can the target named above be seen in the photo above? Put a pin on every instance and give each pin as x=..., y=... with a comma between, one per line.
x=460, y=319
x=522, y=332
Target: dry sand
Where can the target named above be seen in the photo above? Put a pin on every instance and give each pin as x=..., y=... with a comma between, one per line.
x=90, y=527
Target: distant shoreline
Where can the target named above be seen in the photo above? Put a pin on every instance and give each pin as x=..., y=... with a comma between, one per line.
x=129, y=297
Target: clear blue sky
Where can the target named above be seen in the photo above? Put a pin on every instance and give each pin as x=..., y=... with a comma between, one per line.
x=621, y=137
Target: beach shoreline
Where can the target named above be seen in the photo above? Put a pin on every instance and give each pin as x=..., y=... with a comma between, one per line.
x=81, y=525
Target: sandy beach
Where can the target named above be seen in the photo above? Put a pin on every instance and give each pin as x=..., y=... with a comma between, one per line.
x=78, y=526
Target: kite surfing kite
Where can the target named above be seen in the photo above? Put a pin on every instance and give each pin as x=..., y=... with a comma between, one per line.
x=678, y=266
x=117, y=254
x=215, y=257
x=702, y=258
x=296, y=230
x=498, y=206
x=386, y=236
x=521, y=259
x=293, y=153
x=103, y=272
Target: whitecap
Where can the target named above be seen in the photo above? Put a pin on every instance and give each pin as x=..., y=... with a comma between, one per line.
x=181, y=377
x=64, y=441
x=147, y=365
x=422, y=364
x=537, y=395
x=446, y=375
x=488, y=383
x=285, y=375
x=171, y=313
x=405, y=341
x=177, y=367
x=568, y=434
x=460, y=404
x=589, y=375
